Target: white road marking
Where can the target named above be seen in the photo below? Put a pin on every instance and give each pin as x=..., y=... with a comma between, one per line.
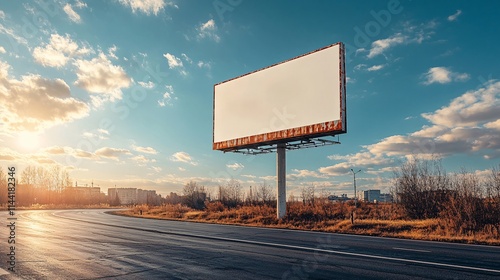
x=293, y=247
x=408, y=249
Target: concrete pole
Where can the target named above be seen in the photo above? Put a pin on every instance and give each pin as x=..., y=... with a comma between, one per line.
x=281, y=179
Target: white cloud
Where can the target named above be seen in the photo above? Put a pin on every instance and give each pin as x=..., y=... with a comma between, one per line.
x=409, y=34
x=99, y=75
x=455, y=16
x=186, y=58
x=443, y=75
x=173, y=61
x=141, y=159
x=167, y=96
x=208, y=30
x=148, y=85
x=58, y=51
x=147, y=6
x=55, y=150
x=35, y=103
x=10, y=32
x=73, y=16
x=304, y=173
x=2, y=14
x=376, y=67
x=183, y=157
x=203, y=64
x=235, y=166
x=336, y=169
x=467, y=125
x=470, y=109
x=146, y=150
x=2, y=50
x=112, y=52
x=96, y=135
x=111, y=153
x=80, y=4
x=493, y=125
x=380, y=46
x=364, y=160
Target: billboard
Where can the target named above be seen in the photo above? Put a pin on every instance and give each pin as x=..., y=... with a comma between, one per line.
x=300, y=98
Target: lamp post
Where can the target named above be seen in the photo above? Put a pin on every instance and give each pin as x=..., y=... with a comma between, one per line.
x=355, y=194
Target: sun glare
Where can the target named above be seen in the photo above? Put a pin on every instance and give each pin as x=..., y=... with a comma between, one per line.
x=28, y=140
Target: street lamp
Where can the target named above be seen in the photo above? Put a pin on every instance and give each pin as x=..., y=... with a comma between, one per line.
x=355, y=195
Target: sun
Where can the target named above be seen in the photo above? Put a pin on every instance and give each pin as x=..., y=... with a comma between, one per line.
x=28, y=141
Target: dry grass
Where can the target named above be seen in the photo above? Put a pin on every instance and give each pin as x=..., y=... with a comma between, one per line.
x=315, y=219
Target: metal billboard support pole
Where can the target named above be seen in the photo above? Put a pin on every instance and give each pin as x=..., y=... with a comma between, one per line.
x=281, y=180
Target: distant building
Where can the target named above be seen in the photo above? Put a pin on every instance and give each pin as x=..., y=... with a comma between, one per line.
x=386, y=197
x=146, y=196
x=374, y=196
x=371, y=195
x=128, y=196
x=84, y=195
x=87, y=192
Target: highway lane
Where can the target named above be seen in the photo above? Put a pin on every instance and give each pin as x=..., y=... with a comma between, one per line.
x=91, y=244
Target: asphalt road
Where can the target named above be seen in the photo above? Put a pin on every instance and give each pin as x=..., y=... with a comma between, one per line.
x=91, y=244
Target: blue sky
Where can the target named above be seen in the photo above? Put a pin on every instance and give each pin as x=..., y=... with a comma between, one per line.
x=120, y=92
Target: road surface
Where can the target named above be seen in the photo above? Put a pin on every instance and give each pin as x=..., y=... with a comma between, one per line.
x=91, y=244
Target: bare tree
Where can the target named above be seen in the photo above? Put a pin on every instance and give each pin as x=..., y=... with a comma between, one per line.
x=464, y=212
x=307, y=194
x=194, y=195
x=231, y=194
x=421, y=187
x=3, y=186
x=265, y=193
x=493, y=184
x=28, y=176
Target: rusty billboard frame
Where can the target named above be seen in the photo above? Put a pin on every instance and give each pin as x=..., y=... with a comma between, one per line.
x=297, y=135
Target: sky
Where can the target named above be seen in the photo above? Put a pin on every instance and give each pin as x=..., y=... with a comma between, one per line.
x=120, y=92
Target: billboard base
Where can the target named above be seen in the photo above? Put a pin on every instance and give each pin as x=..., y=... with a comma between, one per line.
x=280, y=149
x=281, y=180
x=293, y=145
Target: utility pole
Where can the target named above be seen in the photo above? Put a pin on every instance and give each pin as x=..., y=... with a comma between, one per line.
x=355, y=194
x=353, y=214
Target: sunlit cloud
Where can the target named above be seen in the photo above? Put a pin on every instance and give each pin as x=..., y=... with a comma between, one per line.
x=235, y=166
x=72, y=15
x=99, y=75
x=58, y=51
x=146, y=150
x=35, y=103
x=111, y=153
x=443, y=75
x=147, y=7
x=183, y=157
x=208, y=30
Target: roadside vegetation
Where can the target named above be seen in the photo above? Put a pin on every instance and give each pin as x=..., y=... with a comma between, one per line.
x=429, y=204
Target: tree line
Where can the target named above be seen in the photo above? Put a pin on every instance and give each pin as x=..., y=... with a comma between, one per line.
x=39, y=185
x=465, y=202
x=229, y=195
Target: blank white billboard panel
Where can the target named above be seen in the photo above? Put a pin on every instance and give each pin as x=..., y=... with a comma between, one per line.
x=299, y=98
